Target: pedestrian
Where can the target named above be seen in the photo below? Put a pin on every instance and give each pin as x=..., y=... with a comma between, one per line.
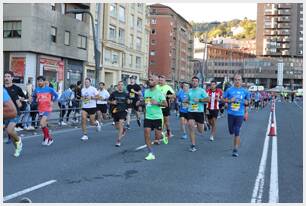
x=134, y=91
x=63, y=103
x=89, y=97
x=215, y=95
x=257, y=97
x=182, y=98
x=71, y=105
x=102, y=102
x=119, y=101
x=238, y=100
x=44, y=96
x=196, y=98
x=77, y=100
x=154, y=100
x=17, y=95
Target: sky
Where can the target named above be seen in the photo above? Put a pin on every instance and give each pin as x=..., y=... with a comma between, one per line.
x=208, y=12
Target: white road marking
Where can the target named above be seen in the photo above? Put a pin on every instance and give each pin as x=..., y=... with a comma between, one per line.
x=22, y=192
x=273, y=193
x=260, y=180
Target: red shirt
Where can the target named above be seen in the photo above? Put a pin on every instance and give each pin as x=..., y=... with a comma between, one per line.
x=215, y=96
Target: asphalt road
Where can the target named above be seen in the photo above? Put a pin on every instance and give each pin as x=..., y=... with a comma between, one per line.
x=97, y=172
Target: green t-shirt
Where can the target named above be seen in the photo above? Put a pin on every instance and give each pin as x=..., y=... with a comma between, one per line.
x=166, y=90
x=153, y=111
x=197, y=93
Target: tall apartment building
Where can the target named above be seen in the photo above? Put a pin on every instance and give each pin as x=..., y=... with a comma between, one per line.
x=124, y=34
x=41, y=39
x=171, y=44
x=279, y=29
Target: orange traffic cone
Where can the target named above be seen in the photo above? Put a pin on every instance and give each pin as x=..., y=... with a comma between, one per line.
x=272, y=132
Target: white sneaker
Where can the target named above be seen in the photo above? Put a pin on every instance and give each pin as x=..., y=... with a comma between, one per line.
x=49, y=142
x=84, y=138
x=31, y=128
x=45, y=142
x=64, y=124
x=26, y=128
x=211, y=138
x=98, y=126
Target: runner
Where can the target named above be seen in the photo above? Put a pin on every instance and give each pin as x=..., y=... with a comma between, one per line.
x=237, y=99
x=44, y=96
x=215, y=95
x=89, y=107
x=134, y=91
x=197, y=97
x=169, y=93
x=17, y=95
x=119, y=101
x=154, y=100
x=9, y=109
x=183, y=107
x=63, y=103
x=102, y=102
x=257, y=98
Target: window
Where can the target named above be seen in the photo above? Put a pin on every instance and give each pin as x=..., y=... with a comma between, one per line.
x=79, y=17
x=132, y=21
x=131, y=40
x=67, y=38
x=129, y=60
x=152, y=53
x=153, y=31
x=121, y=36
x=113, y=10
x=138, y=62
x=82, y=42
x=115, y=57
x=112, y=33
x=121, y=13
x=139, y=23
x=153, y=42
x=53, y=34
x=53, y=6
x=107, y=56
x=138, y=43
x=12, y=29
x=153, y=21
x=139, y=6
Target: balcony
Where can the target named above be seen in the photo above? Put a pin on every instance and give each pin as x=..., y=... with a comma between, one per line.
x=284, y=6
x=285, y=46
x=283, y=19
x=285, y=52
x=284, y=12
x=284, y=32
x=271, y=12
x=283, y=39
x=271, y=26
x=270, y=33
x=283, y=26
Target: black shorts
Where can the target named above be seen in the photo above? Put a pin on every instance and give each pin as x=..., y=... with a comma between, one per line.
x=166, y=111
x=256, y=104
x=184, y=114
x=213, y=113
x=119, y=115
x=153, y=124
x=196, y=116
x=102, y=108
x=133, y=106
x=90, y=111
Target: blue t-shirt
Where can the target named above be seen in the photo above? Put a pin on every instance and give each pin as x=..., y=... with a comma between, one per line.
x=6, y=96
x=196, y=93
x=181, y=96
x=236, y=108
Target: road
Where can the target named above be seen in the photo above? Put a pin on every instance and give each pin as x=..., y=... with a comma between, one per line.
x=97, y=172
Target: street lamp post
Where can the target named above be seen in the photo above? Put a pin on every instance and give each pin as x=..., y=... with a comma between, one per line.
x=96, y=51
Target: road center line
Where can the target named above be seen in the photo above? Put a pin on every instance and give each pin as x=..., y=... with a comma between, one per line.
x=260, y=179
x=12, y=196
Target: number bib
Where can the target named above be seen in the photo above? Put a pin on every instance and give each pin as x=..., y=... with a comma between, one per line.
x=148, y=101
x=194, y=107
x=235, y=106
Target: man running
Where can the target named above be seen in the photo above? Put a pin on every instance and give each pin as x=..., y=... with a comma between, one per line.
x=134, y=91
x=238, y=100
x=89, y=96
x=215, y=95
x=182, y=98
x=169, y=93
x=197, y=97
x=9, y=109
x=102, y=102
x=44, y=96
x=154, y=100
x=17, y=95
x=119, y=101
x=257, y=98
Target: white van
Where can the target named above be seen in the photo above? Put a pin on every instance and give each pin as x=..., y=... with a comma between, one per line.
x=256, y=88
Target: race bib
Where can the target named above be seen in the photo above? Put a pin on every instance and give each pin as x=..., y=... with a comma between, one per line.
x=86, y=101
x=235, y=106
x=148, y=101
x=194, y=107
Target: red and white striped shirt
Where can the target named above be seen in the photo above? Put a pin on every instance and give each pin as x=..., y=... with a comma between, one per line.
x=215, y=96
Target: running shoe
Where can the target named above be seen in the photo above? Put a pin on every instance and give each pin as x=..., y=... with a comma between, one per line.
x=118, y=144
x=184, y=136
x=211, y=138
x=98, y=126
x=84, y=138
x=165, y=138
x=235, y=153
x=127, y=126
x=156, y=142
x=45, y=142
x=50, y=141
x=113, y=123
x=18, y=148
x=192, y=148
x=138, y=122
x=150, y=156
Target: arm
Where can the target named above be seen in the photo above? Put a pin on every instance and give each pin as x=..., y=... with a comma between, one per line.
x=54, y=94
x=9, y=110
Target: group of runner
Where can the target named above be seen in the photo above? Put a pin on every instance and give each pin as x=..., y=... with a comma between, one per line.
x=155, y=100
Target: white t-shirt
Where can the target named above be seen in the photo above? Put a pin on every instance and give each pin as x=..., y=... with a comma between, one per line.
x=89, y=92
x=105, y=95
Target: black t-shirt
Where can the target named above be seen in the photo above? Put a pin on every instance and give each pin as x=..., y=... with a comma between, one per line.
x=15, y=92
x=121, y=98
x=78, y=93
x=131, y=94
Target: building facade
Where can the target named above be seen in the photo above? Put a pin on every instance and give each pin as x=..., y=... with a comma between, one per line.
x=171, y=44
x=41, y=39
x=279, y=29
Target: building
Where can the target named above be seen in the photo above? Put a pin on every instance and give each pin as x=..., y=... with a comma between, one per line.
x=41, y=39
x=124, y=37
x=244, y=45
x=171, y=44
x=279, y=29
